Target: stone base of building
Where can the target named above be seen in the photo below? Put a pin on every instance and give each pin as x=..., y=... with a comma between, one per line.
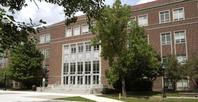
x=85, y=89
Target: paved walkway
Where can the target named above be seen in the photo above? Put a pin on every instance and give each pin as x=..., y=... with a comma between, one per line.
x=27, y=96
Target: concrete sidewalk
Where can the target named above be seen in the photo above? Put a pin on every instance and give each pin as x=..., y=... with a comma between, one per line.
x=28, y=96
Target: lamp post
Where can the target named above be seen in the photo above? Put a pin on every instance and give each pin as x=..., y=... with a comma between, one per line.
x=164, y=80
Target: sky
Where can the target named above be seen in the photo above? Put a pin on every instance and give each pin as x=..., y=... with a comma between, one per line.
x=53, y=13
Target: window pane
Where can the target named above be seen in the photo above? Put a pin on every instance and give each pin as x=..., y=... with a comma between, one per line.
x=87, y=79
x=95, y=67
x=68, y=32
x=72, y=80
x=72, y=68
x=164, y=16
x=77, y=30
x=95, y=79
x=143, y=20
x=47, y=38
x=66, y=49
x=180, y=37
x=88, y=46
x=165, y=38
x=66, y=68
x=88, y=67
x=73, y=48
x=85, y=29
x=178, y=14
x=80, y=47
x=80, y=67
x=80, y=80
x=42, y=39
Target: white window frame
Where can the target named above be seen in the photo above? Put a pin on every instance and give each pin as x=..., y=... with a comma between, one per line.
x=80, y=47
x=67, y=34
x=66, y=68
x=143, y=24
x=166, y=42
x=88, y=66
x=72, y=70
x=87, y=44
x=76, y=34
x=180, y=40
x=160, y=19
x=73, y=48
x=86, y=32
x=178, y=19
x=46, y=38
x=80, y=67
x=42, y=39
x=66, y=49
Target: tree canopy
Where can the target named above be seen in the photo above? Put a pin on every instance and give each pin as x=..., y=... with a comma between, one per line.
x=125, y=46
x=26, y=64
x=13, y=33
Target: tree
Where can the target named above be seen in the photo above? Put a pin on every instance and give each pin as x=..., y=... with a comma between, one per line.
x=13, y=33
x=174, y=71
x=191, y=70
x=26, y=64
x=124, y=46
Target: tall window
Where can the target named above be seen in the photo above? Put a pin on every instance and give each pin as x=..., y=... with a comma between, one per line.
x=72, y=68
x=180, y=37
x=76, y=30
x=95, y=79
x=80, y=47
x=88, y=46
x=65, y=80
x=73, y=48
x=178, y=14
x=166, y=38
x=95, y=67
x=80, y=80
x=143, y=20
x=85, y=29
x=66, y=68
x=80, y=68
x=68, y=32
x=88, y=67
x=164, y=16
x=44, y=38
x=72, y=80
x=87, y=79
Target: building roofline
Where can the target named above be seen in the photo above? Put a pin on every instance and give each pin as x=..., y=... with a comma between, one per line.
x=154, y=4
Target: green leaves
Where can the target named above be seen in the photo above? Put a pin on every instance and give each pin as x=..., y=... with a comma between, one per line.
x=26, y=63
x=124, y=45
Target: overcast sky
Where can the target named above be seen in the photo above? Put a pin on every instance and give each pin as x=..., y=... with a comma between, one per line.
x=54, y=13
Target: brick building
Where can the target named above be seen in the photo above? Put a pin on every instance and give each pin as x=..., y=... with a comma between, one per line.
x=171, y=27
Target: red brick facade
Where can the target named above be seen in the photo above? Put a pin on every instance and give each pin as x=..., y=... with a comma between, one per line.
x=188, y=25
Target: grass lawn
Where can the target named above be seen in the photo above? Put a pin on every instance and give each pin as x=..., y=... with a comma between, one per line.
x=148, y=97
x=76, y=98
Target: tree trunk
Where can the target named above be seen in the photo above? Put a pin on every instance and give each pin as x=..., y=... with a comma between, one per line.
x=123, y=87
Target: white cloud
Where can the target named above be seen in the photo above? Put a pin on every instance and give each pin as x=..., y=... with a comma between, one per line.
x=53, y=13
x=46, y=11
x=144, y=1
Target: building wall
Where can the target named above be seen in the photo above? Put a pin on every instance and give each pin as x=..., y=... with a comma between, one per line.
x=189, y=24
